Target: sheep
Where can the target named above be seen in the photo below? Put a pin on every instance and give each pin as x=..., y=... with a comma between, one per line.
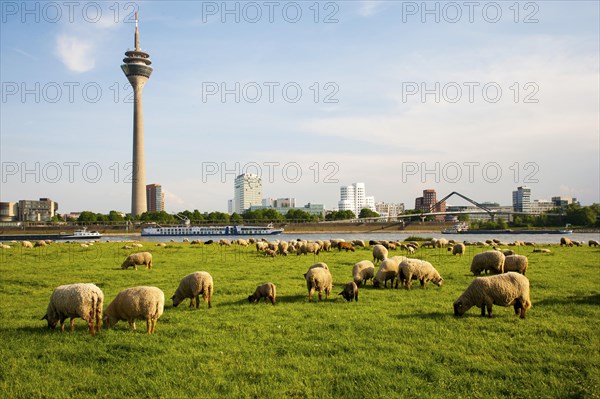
x=577, y=243
x=380, y=253
x=136, y=303
x=391, y=246
x=242, y=243
x=319, y=279
x=416, y=269
x=261, y=246
x=508, y=252
x=83, y=245
x=141, y=258
x=566, y=241
x=458, y=249
x=350, y=291
x=271, y=253
x=388, y=270
x=4, y=246
x=267, y=291
x=195, y=242
x=593, y=243
x=75, y=300
x=225, y=242
x=124, y=247
x=185, y=240
x=137, y=245
x=529, y=243
x=208, y=242
x=283, y=247
x=358, y=243
x=326, y=245
x=345, y=245
x=362, y=272
x=441, y=243
x=492, y=261
x=410, y=249
x=503, y=290
x=310, y=247
x=26, y=244
x=191, y=286
x=428, y=244
x=40, y=243
x=516, y=263
x=542, y=250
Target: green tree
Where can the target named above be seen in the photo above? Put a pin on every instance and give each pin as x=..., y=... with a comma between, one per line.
x=581, y=215
x=340, y=215
x=367, y=213
x=300, y=216
x=87, y=216
x=114, y=216
x=236, y=218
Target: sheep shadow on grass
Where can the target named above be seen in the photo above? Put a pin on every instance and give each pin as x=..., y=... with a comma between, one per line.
x=427, y=316
x=593, y=299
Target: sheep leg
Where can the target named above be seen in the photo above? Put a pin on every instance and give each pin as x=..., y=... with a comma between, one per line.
x=489, y=309
x=73, y=324
x=311, y=291
x=132, y=324
x=197, y=301
x=150, y=265
x=192, y=302
x=482, y=310
x=320, y=296
x=356, y=297
x=517, y=307
x=149, y=325
x=422, y=281
x=273, y=300
x=523, y=311
x=98, y=318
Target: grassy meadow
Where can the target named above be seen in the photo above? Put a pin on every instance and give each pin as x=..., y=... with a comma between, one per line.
x=391, y=343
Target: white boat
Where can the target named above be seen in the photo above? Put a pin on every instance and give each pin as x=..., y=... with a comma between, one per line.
x=457, y=229
x=82, y=234
x=209, y=231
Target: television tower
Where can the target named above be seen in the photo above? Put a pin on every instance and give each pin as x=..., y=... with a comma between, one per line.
x=137, y=69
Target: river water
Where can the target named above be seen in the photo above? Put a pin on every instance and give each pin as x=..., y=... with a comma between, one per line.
x=537, y=238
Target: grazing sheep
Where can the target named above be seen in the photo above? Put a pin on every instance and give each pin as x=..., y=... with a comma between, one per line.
x=4, y=246
x=75, y=300
x=309, y=247
x=282, y=247
x=161, y=244
x=529, y=243
x=578, y=243
x=516, y=263
x=26, y=244
x=593, y=243
x=458, y=249
x=416, y=269
x=492, y=261
x=441, y=243
x=427, y=244
x=326, y=245
x=267, y=291
x=208, y=242
x=362, y=272
x=350, y=291
x=542, y=250
x=380, y=253
x=391, y=246
x=508, y=252
x=358, y=243
x=503, y=290
x=40, y=243
x=191, y=286
x=242, y=243
x=388, y=270
x=225, y=242
x=345, y=245
x=124, y=247
x=137, y=303
x=141, y=258
x=137, y=245
x=270, y=252
x=83, y=245
x=261, y=246
x=566, y=241
x=322, y=265
x=195, y=242
x=185, y=240
x=410, y=249
x=318, y=279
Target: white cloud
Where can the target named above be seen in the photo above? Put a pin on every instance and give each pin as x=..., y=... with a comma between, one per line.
x=369, y=7
x=77, y=54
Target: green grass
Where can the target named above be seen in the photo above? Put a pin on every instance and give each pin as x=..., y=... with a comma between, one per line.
x=391, y=343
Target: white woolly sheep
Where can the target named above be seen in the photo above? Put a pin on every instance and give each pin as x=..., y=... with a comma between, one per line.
x=458, y=249
x=542, y=250
x=124, y=247
x=318, y=279
x=26, y=244
x=270, y=252
x=441, y=243
x=566, y=241
x=225, y=242
x=358, y=243
x=593, y=243
x=137, y=303
x=191, y=286
x=161, y=244
x=267, y=291
x=326, y=245
x=503, y=290
x=4, y=246
x=75, y=300
x=362, y=272
x=380, y=253
x=388, y=270
x=516, y=263
x=40, y=243
x=282, y=247
x=416, y=269
x=350, y=291
x=141, y=258
x=492, y=261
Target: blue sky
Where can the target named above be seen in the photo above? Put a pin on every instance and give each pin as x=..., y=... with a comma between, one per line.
x=377, y=66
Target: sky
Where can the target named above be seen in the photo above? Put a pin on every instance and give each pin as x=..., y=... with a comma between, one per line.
x=473, y=97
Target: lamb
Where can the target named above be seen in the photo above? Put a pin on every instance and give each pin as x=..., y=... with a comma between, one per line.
x=492, y=261
x=191, y=286
x=75, y=300
x=137, y=303
x=195, y=242
x=593, y=243
x=516, y=263
x=350, y=291
x=362, y=272
x=566, y=241
x=388, y=270
x=26, y=244
x=320, y=279
x=503, y=290
x=141, y=258
x=380, y=253
x=416, y=269
x=267, y=291
x=458, y=249
x=345, y=245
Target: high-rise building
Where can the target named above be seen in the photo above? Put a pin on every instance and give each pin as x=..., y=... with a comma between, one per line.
x=521, y=200
x=562, y=202
x=137, y=69
x=155, y=198
x=353, y=198
x=36, y=211
x=427, y=201
x=247, y=192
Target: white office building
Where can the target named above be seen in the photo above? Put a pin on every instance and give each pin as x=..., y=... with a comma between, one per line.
x=247, y=192
x=354, y=198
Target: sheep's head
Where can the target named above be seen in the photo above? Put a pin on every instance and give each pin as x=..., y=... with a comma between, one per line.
x=51, y=323
x=459, y=308
x=176, y=300
x=376, y=283
x=251, y=298
x=439, y=281
x=108, y=321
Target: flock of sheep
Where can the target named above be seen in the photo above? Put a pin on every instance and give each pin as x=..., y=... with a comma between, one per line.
x=505, y=286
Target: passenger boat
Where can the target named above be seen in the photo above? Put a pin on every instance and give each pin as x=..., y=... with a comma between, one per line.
x=190, y=231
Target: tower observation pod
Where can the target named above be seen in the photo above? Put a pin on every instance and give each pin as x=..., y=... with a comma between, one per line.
x=138, y=70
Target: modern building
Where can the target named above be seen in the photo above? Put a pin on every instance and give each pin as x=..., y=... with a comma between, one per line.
x=521, y=200
x=155, y=198
x=230, y=206
x=562, y=202
x=540, y=206
x=136, y=66
x=389, y=210
x=427, y=201
x=247, y=192
x=313, y=209
x=353, y=198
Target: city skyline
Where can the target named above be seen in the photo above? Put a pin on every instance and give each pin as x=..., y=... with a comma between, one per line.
x=376, y=129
